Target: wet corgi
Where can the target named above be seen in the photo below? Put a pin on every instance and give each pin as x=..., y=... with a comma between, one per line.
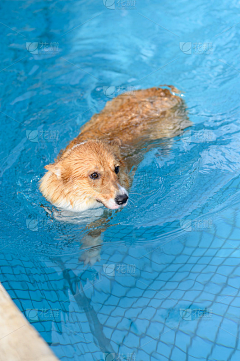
x=94, y=167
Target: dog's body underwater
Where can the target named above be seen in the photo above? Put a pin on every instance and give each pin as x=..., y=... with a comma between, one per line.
x=94, y=167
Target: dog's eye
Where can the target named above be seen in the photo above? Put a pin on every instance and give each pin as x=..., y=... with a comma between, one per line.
x=94, y=175
x=117, y=169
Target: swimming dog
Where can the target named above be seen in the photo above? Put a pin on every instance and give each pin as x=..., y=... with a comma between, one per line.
x=94, y=167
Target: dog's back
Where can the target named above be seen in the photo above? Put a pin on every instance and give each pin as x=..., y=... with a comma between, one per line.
x=138, y=116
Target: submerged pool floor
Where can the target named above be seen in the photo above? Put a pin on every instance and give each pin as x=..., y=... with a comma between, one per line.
x=164, y=282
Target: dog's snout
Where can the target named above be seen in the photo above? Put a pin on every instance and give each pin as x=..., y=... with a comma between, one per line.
x=121, y=199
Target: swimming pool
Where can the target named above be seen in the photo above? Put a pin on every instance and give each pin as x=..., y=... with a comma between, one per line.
x=167, y=284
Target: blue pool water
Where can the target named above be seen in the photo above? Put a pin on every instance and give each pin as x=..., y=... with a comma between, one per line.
x=167, y=284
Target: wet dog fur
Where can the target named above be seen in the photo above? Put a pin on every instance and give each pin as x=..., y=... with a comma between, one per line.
x=94, y=167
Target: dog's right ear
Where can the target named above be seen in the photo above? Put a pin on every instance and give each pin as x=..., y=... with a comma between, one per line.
x=115, y=145
x=116, y=142
x=54, y=168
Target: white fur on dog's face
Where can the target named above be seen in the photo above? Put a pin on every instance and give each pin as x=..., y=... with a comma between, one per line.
x=85, y=176
x=111, y=204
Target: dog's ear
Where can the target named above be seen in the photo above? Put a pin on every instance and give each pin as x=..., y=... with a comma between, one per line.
x=116, y=142
x=115, y=145
x=61, y=172
x=54, y=168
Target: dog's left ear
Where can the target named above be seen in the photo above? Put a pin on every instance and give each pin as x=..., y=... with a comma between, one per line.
x=54, y=168
x=62, y=172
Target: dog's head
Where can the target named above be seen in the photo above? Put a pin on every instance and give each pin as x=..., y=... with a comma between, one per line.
x=89, y=172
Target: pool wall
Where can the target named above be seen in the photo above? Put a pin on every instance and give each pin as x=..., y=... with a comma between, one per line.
x=19, y=340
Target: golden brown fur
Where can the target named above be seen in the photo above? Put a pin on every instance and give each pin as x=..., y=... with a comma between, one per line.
x=110, y=139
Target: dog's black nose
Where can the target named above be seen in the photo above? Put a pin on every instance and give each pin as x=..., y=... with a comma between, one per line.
x=121, y=199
